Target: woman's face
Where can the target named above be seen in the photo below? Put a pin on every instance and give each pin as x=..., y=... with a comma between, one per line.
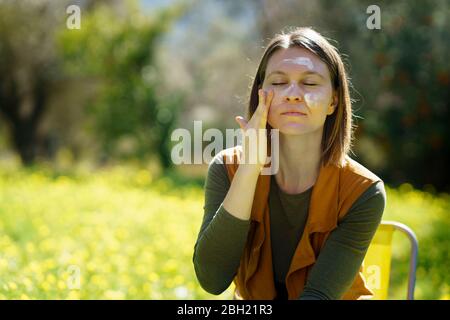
x=302, y=84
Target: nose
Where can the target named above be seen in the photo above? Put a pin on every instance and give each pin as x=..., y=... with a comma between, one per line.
x=292, y=98
x=292, y=94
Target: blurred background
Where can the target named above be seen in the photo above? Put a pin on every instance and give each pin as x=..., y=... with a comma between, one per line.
x=91, y=205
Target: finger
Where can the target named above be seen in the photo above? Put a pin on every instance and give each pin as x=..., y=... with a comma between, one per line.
x=262, y=101
x=271, y=94
x=261, y=97
x=265, y=108
x=268, y=102
x=241, y=121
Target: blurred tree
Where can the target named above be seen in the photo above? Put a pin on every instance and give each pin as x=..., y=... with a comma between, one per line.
x=411, y=56
x=28, y=69
x=132, y=114
x=402, y=76
x=110, y=64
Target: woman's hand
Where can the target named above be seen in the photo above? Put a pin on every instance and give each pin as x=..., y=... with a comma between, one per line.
x=239, y=199
x=255, y=141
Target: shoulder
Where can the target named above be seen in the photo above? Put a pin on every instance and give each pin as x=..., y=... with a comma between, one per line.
x=374, y=196
x=225, y=156
x=376, y=190
x=228, y=160
x=359, y=186
x=230, y=155
x=370, y=205
x=217, y=170
x=352, y=169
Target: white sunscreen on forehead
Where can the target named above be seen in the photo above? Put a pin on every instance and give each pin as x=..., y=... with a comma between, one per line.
x=301, y=61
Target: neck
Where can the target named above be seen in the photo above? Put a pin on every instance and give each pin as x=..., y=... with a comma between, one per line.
x=299, y=161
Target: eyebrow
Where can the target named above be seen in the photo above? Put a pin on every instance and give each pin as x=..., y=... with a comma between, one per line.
x=284, y=73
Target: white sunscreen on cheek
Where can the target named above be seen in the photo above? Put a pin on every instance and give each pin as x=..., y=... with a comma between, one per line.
x=313, y=100
x=301, y=61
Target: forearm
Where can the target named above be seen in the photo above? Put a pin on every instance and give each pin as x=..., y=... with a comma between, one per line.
x=223, y=234
x=340, y=260
x=333, y=273
x=239, y=199
x=218, y=252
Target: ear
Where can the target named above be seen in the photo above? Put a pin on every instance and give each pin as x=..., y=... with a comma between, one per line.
x=333, y=104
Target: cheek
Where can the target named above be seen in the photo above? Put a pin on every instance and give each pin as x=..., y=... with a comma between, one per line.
x=277, y=97
x=312, y=99
x=275, y=103
x=317, y=101
x=271, y=117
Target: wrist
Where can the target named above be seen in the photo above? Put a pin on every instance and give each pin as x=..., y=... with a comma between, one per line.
x=249, y=170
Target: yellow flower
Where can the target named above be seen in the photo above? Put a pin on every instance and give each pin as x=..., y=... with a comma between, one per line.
x=153, y=277
x=12, y=286
x=30, y=247
x=73, y=295
x=27, y=283
x=114, y=295
x=61, y=285
x=51, y=279
x=46, y=286
x=44, y=231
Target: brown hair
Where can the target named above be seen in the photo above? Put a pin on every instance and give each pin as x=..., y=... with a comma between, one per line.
x=338, y=128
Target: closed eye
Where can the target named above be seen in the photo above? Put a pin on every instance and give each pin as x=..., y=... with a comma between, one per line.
x=305, y=83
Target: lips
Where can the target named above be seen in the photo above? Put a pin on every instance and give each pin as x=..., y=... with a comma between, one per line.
x=293, y=113
x=297, y=110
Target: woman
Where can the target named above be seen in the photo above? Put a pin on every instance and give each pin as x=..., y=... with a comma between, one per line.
x=303, y=232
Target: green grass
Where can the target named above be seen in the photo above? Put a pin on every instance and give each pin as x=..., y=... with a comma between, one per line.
x=124, y=233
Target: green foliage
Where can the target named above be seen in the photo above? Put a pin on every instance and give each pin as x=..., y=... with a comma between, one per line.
x=132, y=234
x=133, y=117
x=401, y=75
x=414, y=79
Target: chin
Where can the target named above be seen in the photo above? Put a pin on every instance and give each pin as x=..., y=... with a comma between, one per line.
x=293, y=129
x=292, y=132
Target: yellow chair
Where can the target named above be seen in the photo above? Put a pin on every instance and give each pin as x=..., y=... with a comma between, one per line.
x=377, y=263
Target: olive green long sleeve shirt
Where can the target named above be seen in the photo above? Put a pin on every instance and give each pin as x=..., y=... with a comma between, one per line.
x=222, y=238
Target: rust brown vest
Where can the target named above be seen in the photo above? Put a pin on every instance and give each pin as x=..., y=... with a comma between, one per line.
x=334, y=192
